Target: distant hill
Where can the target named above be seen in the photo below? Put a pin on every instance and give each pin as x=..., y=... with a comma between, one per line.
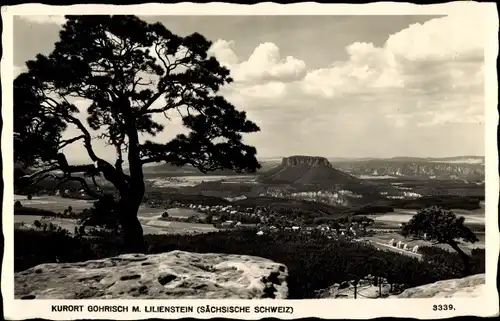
x=305, y=170
x=466, y=159
x=188, y=170
x=459, y=160
x=463, y=167
x=165, y=168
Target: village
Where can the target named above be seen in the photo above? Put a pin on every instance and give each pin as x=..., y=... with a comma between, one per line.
x=263, y=220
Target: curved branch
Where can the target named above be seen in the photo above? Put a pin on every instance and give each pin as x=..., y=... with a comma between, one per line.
x=98, y=187
x=84, y=184
x=152, y=160
x=41, y=178
x=102, y=166
x=87, y=137
x=151, y=101
x=67, y=142
x=165, y=64
x=32, y=176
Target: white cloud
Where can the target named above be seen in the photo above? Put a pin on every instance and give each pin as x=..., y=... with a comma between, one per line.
x=428, y=74
x=264, y=64
x=368, y=67
x=269, y=90
x=441, y=116
x=446, y=117
x=423, y=84
x=264, y=77
x=450, y=37
x=409, y=80
x=224, y=52
x=44, y=19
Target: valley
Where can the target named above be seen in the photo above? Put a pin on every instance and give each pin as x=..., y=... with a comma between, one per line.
x=298, y=211
x=298, y=191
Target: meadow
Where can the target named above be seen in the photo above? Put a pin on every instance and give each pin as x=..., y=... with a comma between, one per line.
x=149, y=216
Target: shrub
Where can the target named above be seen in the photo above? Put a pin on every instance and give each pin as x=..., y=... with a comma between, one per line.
x=451, y=260
x=373, y=209
x=33, y=247
x=23, y=210
x=444, y=201
x=101, y=214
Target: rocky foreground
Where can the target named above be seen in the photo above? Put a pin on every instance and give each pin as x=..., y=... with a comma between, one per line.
x=186, y=275
x=171, y=275
x=469, y=287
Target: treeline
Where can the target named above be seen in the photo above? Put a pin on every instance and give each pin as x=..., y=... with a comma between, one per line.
x=46, y=186
x=372, y=209
x=223, y=189
x=22, y=210
x=289, y=204
x=443, y=201
x=314, y=262
x=340, y=222
x=19, y=209
x=159, y=198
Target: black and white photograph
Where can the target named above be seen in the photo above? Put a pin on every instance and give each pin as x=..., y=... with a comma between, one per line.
x=261, y=157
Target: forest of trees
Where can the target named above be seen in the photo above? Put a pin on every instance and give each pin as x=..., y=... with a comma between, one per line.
x=314, y=262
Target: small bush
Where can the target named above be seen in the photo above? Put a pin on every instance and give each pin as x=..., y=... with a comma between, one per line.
x=452, y=261
x=33, y=247
x=101, y=214
x=23, y=210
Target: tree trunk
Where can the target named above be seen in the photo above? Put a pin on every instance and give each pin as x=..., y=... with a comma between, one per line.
x=463, y=256
x=133, y=237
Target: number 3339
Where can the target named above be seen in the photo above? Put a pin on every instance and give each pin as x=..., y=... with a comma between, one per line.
x=443, y=307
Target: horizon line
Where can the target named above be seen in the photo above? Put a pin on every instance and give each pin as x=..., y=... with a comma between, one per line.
x=375, y=157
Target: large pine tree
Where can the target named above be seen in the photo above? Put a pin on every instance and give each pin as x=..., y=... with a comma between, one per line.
x=131, y=72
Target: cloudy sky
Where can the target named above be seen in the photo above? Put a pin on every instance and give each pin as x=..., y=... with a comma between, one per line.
x=335, y=86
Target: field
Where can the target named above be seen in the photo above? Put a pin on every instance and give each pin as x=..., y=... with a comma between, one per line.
x=314, y=261
x=475, y=219
x=53, y=203
x=186, y=181
x=386, y=237
x=28, y=220
x=403, y=216
x=211, y=190
x=148, y=216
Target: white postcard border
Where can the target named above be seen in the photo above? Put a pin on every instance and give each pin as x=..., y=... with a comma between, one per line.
x=322, y=308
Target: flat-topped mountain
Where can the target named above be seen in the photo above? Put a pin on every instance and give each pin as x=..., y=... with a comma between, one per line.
x=305, y=170
x=312, y=161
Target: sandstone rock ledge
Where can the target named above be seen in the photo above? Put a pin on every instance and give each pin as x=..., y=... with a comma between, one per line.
x=468, y=287
x=171, y=275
